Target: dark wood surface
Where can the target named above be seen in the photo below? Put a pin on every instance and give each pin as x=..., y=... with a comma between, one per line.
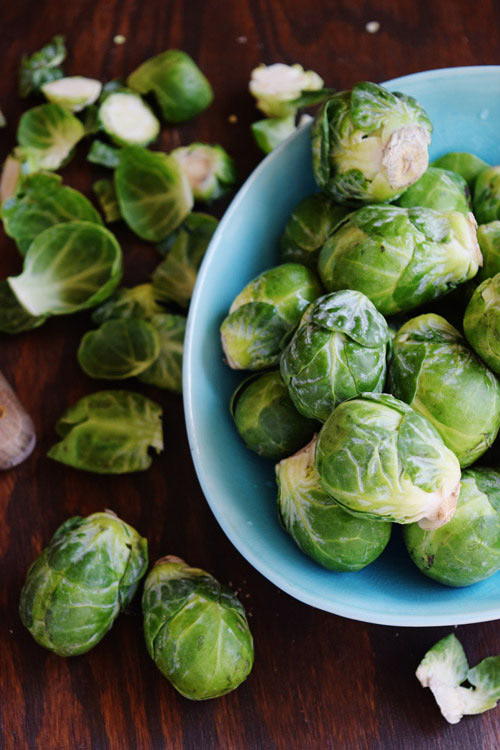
x=319, y=681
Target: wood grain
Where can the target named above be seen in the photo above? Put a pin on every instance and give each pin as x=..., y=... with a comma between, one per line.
x=320, y=681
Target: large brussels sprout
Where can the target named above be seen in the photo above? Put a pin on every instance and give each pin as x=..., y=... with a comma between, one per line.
x=369, y=144
x=42, y=66
x=466, y=549
x=482, y=322
x=264, y=314
x=47, y=135
x=76, y=588
x=400, y=257
x=463, y=163
x=281, y=89
x=438, y=189
x=433, y=370
x=209, y=169
x=321, y=528
x=488, y=236
x=166, y=370
x=381, y=459
x=338, y=351
x=195, y=629
x=120, y=348
x=266, y=418
x=128, y=302
x=486, y=200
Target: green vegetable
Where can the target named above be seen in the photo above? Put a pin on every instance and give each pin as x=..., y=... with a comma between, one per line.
x=281, y=89
x=41, y=67
x=3, y=121
x=381, y=459
x=488, y=237
x=166, y=370
x=269, y=133
x=438, y=189
x=120, y=348
x=47, y=135
x=466, y=165
x=180, y=88
x=153, y=192
x=127, y=119
x=136, y=302
x=400, y=257
x=482, y=322
x=106, y=195
x=486, y=200
x=104, y=155
x=318, y=525
x=210, y=171
x=109, y=432
x=266, y=419
x=76, y=588
x=195, y=629
x=14, y=318
x=74, y=92
x=41, y=202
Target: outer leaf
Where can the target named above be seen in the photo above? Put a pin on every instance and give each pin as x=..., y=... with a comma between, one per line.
x=466, y=165
x=486, y=200
x=106, y=195
x=104, y=155
x=438, y=189
x=166, y=370
x=47, y=135
x=482, y=321
x=42, y=66
x=135, y=302
x=14, y=318
x=119, y=349
x=307, y=229
x=270, y=132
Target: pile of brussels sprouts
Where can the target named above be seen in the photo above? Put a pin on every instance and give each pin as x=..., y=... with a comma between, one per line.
x=371, y=401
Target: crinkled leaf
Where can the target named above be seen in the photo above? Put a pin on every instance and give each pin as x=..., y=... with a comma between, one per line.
x=120, y=348
x=166, y=370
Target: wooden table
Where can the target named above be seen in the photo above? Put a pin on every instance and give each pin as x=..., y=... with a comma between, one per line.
x=320, y=681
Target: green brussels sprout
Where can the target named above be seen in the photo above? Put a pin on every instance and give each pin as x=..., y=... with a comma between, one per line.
x=488, y=237
x=338, y=351
x=381, y=459
x=466, y=165
x=466, y=549
x=266, y=419
x=400, y=257
x=310, y=224
x=103, y=154
x=41, y=67
x=153, y=192
x=486, y=200
x=269, y=133
x=438, y=189
x=106, y=195
x=196, y=630
x=42, y=201
x=119, y=349
x=135, y=302
x=210, y=170
x=166, y=370
x=175, y=277
x=264, y=314
x=47, y=135
x=281, y=89
x=433, y=370
x=127, y=119
x=109, y=432
x=74, y=92
x=14, y=318
x=369, y=144
x=320, y=527
x=76, y=588
x=180, y=88
x=482, y=322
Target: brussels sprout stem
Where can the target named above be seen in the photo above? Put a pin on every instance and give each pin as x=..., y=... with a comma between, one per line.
x=446, y=504
x=405, y=156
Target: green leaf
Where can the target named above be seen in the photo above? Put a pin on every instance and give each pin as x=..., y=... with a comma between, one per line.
x=104, y=155
x=269, y=133
x=166, y=370
x=119, y=349
x=135, y=302
x=14, y=318
x=106, y=195
x=209, y=169
x=41, y=67
x=47, y=135
x=127, y=119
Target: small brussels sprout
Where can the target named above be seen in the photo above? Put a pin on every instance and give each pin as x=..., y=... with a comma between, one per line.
x=166, y=370
x=264, y=314
x=466, y=165
x=119, y=349
x=42, y=201
x=310, y=224
x=103, y=154
x=369, y=144
x=74, y=92
x=76, y=588
x=466, y=549
x=47, y=135
x=266, y=419
x=109, y=432
x=438, y=189
x=400, y=257
x=196, y=630
x=281, y=89
x=443, y=669
x=433, y=370
x=318, y=525
x=14, y=318
x=106, y=195
x=153, y=192
x=68, y=267
x=127, y=119
x=134, y=302
x=210, y=170
x=269, y=133
x=338, y=351
x=488, y=237
x=482, y=322
x=180, y=88
x=42, y=66
x=486, y=200
x=381, y=459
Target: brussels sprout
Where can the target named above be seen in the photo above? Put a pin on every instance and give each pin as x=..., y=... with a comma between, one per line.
x=438, y=189
x=153, y=192
x=318, y=525
x=482, y=322
x=42, y=66
x=74, y=92
x=488, y=237
x=47, y=135
x=41, y=202
x=281, y=89
x=269, y=133
x=14, y=318
x=486, y=200
x=369, y=144
x=433, y=370
x=266, y=419
x=175, y=277
x=180, y=88
x=68, y=267
x=166, y=370
x=445, y=666
x=381, y=459
x=76, y=588
x=264, y=314
x=400, y=257
x=109, y=432
x=104, y=155
x=106, y=195
x=135, y=302
x=11, y=177
x=195, y=629
x=119, y=349
x=308, y=227
x=466, y=165
x=210, y=170
x=338, y=351
x=127, y=119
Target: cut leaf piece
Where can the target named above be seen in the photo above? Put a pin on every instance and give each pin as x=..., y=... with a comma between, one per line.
x=103, y=154
x=106, y=195
x=166, y=370
x=270, y=133
x=42, y=66
x=47, y=135
x=119, y=349
x=136, y=302
x=14, y=318
x=73, y=92
x=210, y=170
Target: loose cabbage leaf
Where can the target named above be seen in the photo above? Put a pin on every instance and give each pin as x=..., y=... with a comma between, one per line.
x=121, y=348
x=42, y=66
x=106, y=195
x=47, y=135
x=166, y=370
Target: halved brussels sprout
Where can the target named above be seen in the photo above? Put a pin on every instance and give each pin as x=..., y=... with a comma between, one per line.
x=166, y=370
x=269, y=133
x=210, y=170
x=103, y=154
x=127, y=119
x=463, y=163
x=338, y=351
x=381, y=459
x=47, y=135
x=196, y=630
x=266, y=419
x=310, y=224
x=14, y=318
x=281, y=89
x=321, y=528
x=439, y=189
x=42, y=66
x=486, y=199
x=76, y=588
x=134, y=302
x=119, y=349
x=74, y=92
x=400, y=257
x=482, y=322
x=488, y=236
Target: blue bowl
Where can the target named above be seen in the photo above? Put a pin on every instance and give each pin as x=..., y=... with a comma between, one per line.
x=464, y=106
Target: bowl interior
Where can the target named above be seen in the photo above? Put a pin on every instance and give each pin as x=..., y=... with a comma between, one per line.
x=464, y=106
